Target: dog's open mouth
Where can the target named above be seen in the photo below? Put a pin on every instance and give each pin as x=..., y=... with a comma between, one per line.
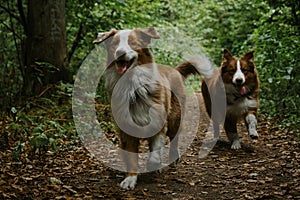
x=123, y=65
x=241, y=89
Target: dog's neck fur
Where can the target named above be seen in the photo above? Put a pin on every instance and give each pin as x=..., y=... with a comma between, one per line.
x=134, y=88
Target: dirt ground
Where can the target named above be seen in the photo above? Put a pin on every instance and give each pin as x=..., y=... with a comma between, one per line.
x=267, y=168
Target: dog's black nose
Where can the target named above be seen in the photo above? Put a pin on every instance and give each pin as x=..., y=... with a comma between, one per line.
x=120, y=53
x=239, y=81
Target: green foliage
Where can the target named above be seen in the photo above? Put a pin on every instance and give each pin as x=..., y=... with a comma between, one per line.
x=277, y=44
x=42, y=124
x=218, y=24
x=41, y=141
x=271, y=28
x=12, y=37
x=17, y=150
x=86, y=19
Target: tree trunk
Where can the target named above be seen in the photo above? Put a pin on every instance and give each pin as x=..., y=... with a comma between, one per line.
x=46, y=49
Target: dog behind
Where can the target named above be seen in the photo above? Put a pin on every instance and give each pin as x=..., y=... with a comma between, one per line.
x=241, y=83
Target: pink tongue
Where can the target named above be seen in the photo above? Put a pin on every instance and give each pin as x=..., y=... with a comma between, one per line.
x=243, y=90
x=121, y=70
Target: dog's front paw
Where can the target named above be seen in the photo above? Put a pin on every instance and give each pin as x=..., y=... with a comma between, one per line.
x=129, y=182
x=236, y=144
x=154, y=162
x=252, y=124
x=153, y=166
x=253, y=133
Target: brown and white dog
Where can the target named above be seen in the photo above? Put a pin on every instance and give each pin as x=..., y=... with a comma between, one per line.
x=241, y=83
x=142, y=93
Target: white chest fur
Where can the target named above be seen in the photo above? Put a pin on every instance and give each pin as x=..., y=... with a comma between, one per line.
x=240, y=107
x=132, y=105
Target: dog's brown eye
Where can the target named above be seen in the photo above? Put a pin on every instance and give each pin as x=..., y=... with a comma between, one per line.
x=133, y=43
x=245, y=71
x=231, y=72
x=114, y=42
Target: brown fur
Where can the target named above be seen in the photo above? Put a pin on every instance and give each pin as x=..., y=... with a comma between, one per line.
x=238, y=105
x=186, y=69
x=234, y=111
x=167, y=76
x=162, y=96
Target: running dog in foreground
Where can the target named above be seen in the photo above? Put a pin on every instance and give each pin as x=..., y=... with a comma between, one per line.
x=153, y=94
x=241, y=84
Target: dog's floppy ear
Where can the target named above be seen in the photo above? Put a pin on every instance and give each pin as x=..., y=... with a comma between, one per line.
x=151, y=32
x=148, y=33
x=104, y=35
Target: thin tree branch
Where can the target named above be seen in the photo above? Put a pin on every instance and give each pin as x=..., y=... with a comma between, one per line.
x=15, y=38
x=22, y=17
x=75, y=42
x=11, y=30
x=10, y=13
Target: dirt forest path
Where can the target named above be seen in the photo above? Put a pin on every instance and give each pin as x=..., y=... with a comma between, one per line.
x=267, y=168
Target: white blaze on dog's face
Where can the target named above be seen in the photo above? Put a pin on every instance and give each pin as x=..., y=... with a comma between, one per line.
x=238, y=73
x=124, y=49
x=127, y=48
x=238, y=77
x=123, y=54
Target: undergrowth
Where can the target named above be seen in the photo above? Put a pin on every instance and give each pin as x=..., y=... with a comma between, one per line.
x=45, y=123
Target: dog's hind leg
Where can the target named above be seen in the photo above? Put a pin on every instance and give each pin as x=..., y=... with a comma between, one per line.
x=174, y=129
x=231, y=132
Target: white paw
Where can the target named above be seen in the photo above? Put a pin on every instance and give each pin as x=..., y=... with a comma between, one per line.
x=236, y=144
x=154, y=162
x=252, y=124
x=152, y=166
x=253, y=133
x=129, y=183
